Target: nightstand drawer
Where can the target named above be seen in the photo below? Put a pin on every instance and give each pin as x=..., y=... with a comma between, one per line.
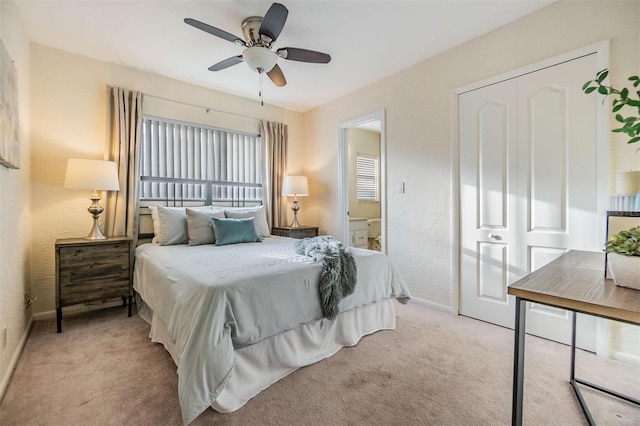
x=74, y=292
x=93, y=256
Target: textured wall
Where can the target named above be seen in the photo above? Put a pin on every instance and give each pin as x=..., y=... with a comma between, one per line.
x=417, y=102
x=15, y=216
x=69, y=115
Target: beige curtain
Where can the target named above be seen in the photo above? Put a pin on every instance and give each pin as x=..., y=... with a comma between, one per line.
x=275, y=137
x=126, y=125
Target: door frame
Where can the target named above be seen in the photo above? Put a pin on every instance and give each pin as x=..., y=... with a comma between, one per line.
x=601, y=50
x=343, y=174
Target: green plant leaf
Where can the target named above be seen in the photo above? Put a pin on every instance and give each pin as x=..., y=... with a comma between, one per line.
x=625, y=242
x=603, y=90
x=634, y=140
x=586, y=84
x=619, y=118
x=603, y=74
x=624, y=93
x=617, y=108
x=590, y=89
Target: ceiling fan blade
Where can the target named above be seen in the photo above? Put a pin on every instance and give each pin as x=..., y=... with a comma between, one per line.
x=303, y=55
x=229, y=62
x=273, y=21
x=215, y=31
x=277, y=77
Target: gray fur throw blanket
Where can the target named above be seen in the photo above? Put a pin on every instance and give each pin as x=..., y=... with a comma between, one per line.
x=339, y=271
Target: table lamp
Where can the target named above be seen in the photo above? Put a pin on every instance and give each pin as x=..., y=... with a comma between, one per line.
x=96, y=175
x=295, y=186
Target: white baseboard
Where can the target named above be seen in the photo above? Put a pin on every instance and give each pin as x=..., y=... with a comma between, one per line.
x=431, y=305
x=625, y=357
x=14, y=359
x=76, y=309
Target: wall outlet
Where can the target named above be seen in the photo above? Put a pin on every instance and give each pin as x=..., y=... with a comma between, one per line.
x=3, y=337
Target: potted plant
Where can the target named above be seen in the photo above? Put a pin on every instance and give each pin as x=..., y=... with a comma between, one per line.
x=623, y=258
x=624, y=101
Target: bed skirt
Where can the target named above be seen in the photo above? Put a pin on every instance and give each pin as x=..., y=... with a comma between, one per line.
x=260, y=365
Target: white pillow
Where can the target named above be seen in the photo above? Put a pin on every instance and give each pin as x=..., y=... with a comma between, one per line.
x=257, y=213
x=199, y=226
x=158, y=228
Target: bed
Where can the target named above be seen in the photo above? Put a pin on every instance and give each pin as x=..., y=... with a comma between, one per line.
x=237, y=318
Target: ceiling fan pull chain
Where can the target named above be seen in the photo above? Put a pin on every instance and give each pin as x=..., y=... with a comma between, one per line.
x=260, y=88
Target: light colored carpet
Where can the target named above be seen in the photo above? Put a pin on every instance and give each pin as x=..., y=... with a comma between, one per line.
x=434, y=369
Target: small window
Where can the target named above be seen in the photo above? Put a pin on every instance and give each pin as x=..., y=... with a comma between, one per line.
x=367, y=177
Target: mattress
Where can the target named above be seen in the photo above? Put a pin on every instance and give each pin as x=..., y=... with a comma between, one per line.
x=208, y=303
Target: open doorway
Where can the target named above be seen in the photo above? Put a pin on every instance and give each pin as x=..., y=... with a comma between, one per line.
x=363, y=182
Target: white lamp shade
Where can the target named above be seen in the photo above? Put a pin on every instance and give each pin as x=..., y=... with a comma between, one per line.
x=98, y=175
x=260, y=58
x=293, y=186
x=628, y=182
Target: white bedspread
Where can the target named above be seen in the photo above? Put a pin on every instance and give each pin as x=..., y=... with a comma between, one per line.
x=215, y=299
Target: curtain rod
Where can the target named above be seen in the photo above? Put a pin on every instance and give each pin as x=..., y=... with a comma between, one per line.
x=206, y=108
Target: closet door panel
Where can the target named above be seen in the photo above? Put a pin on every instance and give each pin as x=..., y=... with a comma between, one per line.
x=547, y=159
x=557, y=142
x=488, y=174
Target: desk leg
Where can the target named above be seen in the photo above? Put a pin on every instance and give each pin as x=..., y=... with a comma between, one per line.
x=573, y=381
x=518, y=362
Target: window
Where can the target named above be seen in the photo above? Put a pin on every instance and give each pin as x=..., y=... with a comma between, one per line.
x=177, y=149
x=367, y=177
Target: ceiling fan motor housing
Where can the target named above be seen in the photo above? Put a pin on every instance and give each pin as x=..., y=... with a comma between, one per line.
x=251, y=30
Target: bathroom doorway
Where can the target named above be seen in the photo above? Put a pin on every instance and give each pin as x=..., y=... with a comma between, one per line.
x=362, y=182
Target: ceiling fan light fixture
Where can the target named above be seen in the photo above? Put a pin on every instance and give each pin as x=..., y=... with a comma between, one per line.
x=259, y=59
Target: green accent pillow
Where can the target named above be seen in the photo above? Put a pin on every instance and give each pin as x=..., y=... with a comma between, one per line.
x=233, y=231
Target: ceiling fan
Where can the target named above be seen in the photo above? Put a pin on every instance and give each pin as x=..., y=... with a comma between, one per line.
x=260, y=33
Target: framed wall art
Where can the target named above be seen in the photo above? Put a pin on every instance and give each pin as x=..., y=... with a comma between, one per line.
x=9, y=134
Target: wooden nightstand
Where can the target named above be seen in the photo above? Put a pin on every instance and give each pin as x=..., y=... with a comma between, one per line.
x=92, y=270
x=299, y=232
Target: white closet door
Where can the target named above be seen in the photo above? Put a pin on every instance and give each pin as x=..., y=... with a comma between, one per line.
x=528, y=189
x=557, y=158
x=488, y=192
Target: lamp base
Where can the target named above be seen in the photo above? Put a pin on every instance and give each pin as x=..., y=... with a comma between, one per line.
x=96, y=233
x=295, y=223
x=95, y=209
x=295, y=207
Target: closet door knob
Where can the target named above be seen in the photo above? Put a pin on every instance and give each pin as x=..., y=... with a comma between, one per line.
x=495, y=237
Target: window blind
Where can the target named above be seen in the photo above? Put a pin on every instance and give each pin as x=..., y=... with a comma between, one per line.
x=367, y=177
x=177, y=149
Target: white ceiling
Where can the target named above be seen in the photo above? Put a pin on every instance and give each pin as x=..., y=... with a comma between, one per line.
x=367, y=40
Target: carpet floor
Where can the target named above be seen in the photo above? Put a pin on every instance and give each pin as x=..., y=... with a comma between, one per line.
x=434, y=369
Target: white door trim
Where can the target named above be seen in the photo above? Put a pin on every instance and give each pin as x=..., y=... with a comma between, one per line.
x=601, y=50
x=343, y=174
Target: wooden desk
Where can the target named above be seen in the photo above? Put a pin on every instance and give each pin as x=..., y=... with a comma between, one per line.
x=574, y=281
